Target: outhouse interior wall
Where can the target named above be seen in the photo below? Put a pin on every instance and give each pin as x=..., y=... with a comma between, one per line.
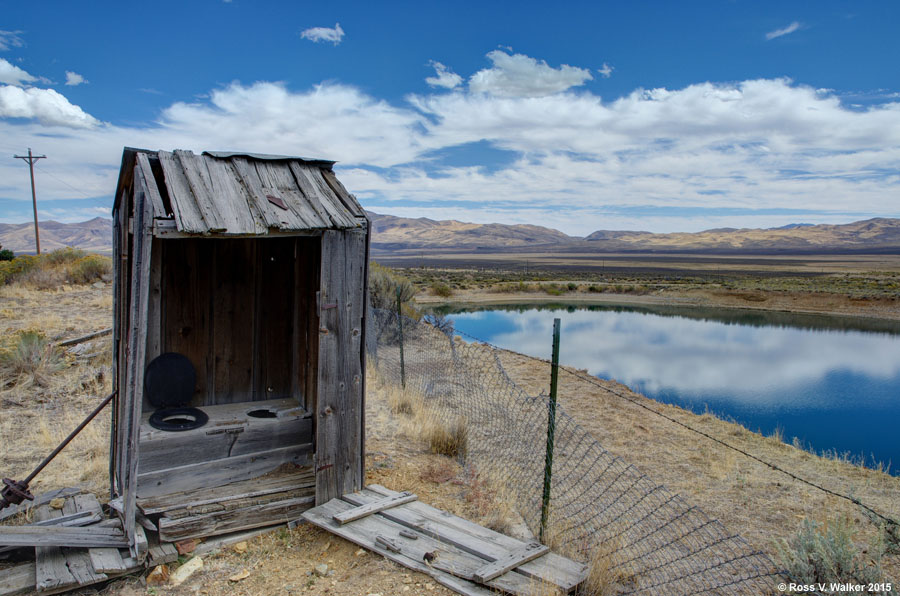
x=243, y=310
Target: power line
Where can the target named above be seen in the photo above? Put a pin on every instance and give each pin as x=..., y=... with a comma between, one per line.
x=58, y=179
x=31, y=159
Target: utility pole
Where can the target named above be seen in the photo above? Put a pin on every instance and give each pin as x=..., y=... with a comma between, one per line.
x=31, y=159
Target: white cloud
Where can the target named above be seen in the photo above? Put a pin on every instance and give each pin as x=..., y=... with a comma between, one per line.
x=10, y=39
x=317, y=34
x=606, y=71
x=783, y=31
x=44, y=105
x=517, y=75
x=11, y=74
x=574, y=161
x=73, y=79
x=445, y=77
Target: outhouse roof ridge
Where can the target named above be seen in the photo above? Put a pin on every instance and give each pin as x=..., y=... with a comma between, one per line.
x=226, y=193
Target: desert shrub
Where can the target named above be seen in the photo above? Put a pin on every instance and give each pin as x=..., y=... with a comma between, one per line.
x=572, y=286
x=594, y=288
x=88, y=269
x=441, y=289
x=31, y=357
x=554, y=290
x=43, y=278
x=450, y=439
x=7, y=255
x=384, y=285
x=826, y=553
x=11, y=271
x=62, y=256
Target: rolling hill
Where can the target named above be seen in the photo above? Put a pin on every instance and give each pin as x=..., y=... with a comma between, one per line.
x=392, y=234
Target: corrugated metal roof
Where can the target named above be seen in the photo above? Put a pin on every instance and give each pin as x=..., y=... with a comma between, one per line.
x=251, y=194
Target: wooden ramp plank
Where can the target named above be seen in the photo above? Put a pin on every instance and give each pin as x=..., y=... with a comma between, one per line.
x=449, y=559
x=322, y=516
x=80, y=566
x=471, y=537
x=17, y=580
x=90, y=536
x=374, y=507
x=51, y=571
x=107, y=560
x=514, y=559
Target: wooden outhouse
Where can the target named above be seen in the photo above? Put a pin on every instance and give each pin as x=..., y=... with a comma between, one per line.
x=239, y=349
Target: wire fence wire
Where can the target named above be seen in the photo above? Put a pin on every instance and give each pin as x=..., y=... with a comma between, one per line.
x=654, y=542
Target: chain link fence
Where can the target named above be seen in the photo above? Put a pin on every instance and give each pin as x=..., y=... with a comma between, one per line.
x=652, y=540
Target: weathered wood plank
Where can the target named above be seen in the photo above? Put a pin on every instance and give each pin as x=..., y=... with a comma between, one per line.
x=80, y=566
x=471, y=537
x=346, y=198
x=107, y=560
x=154, y=307
x=231, y=198
x=512, y=560
x=17, y=580
x=306, y=207
x=137, y=335
x=186, y=306
x=164, y=552
x=341, y=364
x=39, y=500
x=187, y=212
x=301, y=478
x=51, y=571
x=306, y=320
x=373, y=507
x=320, y=198
x=156, y=203
x=90, y=536
x=450, y=560
x=197, y=178
x=229, y=432
x=234, y=520
x=272, y=216
x=220, y=472
x=233, y=325
x=274, y=318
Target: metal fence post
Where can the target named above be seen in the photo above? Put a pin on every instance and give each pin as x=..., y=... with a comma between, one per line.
x=551, y=431
x=400, y=325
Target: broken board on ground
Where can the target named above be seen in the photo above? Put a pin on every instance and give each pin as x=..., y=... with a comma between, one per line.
x=60, y=564
x=457, y=553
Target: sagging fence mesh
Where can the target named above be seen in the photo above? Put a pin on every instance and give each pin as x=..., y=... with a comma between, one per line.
x=653, y=540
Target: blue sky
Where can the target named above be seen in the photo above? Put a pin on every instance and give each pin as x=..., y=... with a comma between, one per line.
x=662, y=116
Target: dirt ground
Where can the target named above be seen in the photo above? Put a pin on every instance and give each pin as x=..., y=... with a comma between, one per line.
x=36, y=414
x=748, y=497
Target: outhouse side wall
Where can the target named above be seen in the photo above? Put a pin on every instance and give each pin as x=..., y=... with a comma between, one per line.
x=340, y=407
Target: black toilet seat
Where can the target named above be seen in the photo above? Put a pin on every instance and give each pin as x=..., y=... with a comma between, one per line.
x=169, y=385
x=178, y=419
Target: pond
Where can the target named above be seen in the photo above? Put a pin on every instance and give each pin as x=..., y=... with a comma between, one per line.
x=827, y=383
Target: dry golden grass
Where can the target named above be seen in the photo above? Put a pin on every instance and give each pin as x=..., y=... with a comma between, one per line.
x=750, y=498
x=40, y=405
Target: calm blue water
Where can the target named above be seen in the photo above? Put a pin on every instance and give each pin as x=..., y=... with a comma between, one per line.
x=833, y=383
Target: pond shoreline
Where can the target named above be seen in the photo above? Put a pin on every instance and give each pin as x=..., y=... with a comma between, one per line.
x=829, y=304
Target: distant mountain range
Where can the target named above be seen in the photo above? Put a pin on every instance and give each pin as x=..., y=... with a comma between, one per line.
x=94, y=235
x=392, y=234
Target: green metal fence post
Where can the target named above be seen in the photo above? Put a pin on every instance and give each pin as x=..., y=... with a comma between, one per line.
x=551, y=430
x=400, y=325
